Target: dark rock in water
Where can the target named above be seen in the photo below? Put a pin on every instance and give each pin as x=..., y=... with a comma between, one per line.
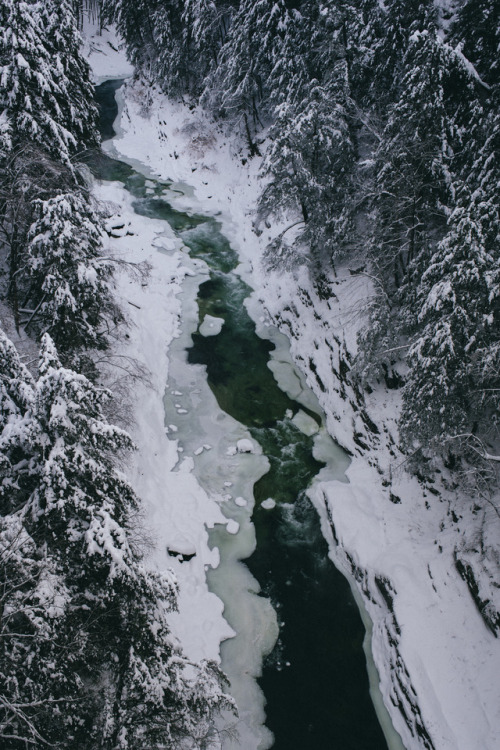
x=181, y=556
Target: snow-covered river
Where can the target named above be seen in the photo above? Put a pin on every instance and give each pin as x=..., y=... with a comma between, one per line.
x=296, y=622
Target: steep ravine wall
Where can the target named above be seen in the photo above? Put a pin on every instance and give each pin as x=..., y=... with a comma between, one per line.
x=327, y=376
x=387, y=530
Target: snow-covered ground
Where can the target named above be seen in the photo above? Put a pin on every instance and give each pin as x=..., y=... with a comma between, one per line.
x=438, y=662
x=104, y=52
x=176, y=508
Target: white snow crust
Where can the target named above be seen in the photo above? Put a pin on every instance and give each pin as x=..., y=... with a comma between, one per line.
x=211, y=326
x=177, y=510
x=438, y=663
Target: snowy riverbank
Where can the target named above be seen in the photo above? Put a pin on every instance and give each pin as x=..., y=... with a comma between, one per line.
x=438, y=662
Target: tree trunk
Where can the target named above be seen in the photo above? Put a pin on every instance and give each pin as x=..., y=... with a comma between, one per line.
x=254, y=149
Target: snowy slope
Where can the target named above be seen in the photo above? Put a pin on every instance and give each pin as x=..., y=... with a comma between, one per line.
x=438, y=662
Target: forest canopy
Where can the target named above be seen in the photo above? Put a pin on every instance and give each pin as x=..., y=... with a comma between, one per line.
x=380, y=124
x=87, y=659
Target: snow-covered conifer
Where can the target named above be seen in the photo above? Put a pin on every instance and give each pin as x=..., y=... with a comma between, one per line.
x=415, y=160
x=308, y=165
x=16, y=398
x=47, y=116
x=203, y=34
x=16, y=383
x=31, y=87
x=398, y=19
x=37, y=683
x=239, y=86
x=69, y=280
x=460, y=320
x=477, y=30
x=74, y=440
x=110, y=671
x=71, y=71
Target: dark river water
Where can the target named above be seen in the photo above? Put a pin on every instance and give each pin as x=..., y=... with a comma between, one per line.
x=315, y=680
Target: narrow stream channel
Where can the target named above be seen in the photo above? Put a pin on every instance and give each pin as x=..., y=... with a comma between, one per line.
x=315, y=679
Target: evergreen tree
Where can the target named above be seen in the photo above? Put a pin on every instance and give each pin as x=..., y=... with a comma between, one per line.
x=168, y=60
x=365, y=30
x=34, y=92
x=416, y=161
x=289, y=77
x=5, y=136
x=239, y=86
x=47, y=116
x=418, y=164
x=134, y=21
x=324, y=34
x=63, y=42
x=40, y=688
x=83, y=505
x=459, y=322
x=153, y=31
x=204, y=33
x=309, y=163
x=32, y=663
x=477, y=30
x=69, y=285
x=90, y=658
x=27, y=173
x=392, y=30
x=16, y=383
x=16, y=398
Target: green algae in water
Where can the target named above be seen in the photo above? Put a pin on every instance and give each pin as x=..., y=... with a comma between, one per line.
x=156, y=207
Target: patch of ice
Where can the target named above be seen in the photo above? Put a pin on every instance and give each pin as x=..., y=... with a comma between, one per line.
x=306, y=424
x=268, y=504
x=164, y=243
x=244, y=446
x=232, y=526
x=211, y=326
